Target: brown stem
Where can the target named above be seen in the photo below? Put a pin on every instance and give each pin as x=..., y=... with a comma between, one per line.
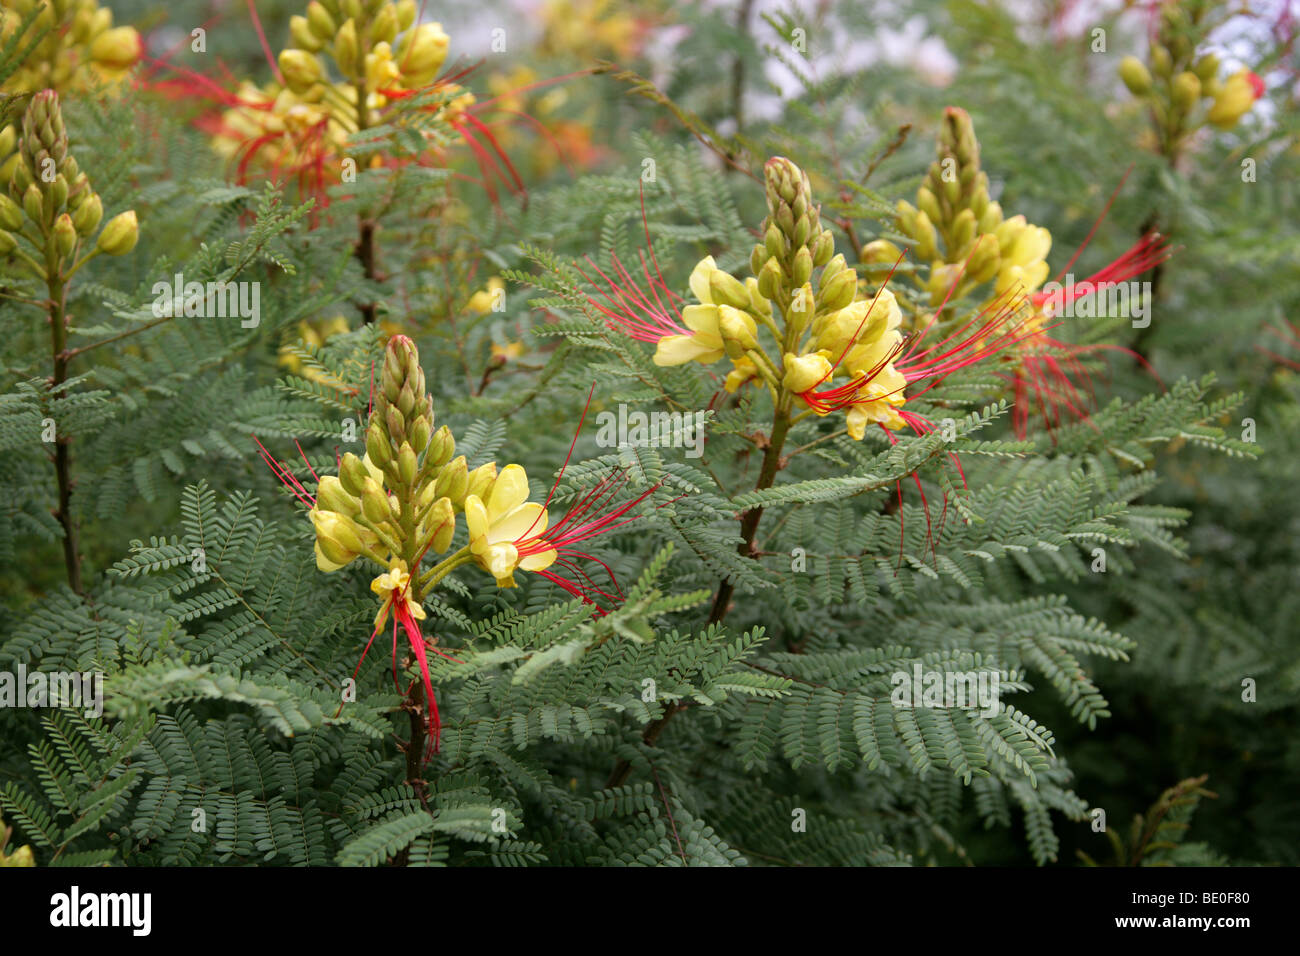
x=62, y=453
x=722, y=600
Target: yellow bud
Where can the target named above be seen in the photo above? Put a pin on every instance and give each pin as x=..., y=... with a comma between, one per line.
x=423, y=52
x=1135, y=75
x=352, y=474
x=879, y=252
x=7, y=243
x=442, y=519
x=406, y=463
x=120, y=235
x=726, y=289
x=321, y=22
x=116, y=49
x=377, y=445
x=347, y=49
x=481, y=480
x=33, y=204
x=1234, y=100
x=805, y=372
x=453, y=480
x=301, y=70
x=8, y=136
x=383, y=29
x=374, y=502
x=11, y=214
x=406, y=11
x=738, y=330
x=1186, y=91
x=64, y=235
x=302, y=35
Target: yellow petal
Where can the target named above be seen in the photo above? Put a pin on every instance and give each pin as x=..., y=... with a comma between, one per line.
x=509, y=491
x=525, y=522
x=680, y=349
x=476, y=519
x=700, y=279
x=539, y=561
x=702, y=318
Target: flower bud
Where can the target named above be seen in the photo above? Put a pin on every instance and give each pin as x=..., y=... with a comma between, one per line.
x=64, y=235
x=824, y=248
x=481, y=480
x=879, y=252
x=337, y=536
x=383, y=28
x=33, y=204
x=7, y=243
x=453, y=480
x=442, y=520
x=726, y=289
x=1161, y=61
x=1186, y=91
x=441, y=447
x=396, y=424
x=805, y=372
x=374, y=502
x=738, y=331
x=117, y=49
x=1237, y=96
x=406, y=11
x=11, y=214
x=769, y=280
x=320, y=21
x=1207, y=68
x=1135, y=75
x=8, y=136
x=331, y=495
x=120, y=235
x=301, y=70
x=420, y=434
x=302, y=35
x=423, y=52
x=377, y=445
x=926, y=238
x=802, y=267
x=839, y=291
x=353, y=474
x=406, y=463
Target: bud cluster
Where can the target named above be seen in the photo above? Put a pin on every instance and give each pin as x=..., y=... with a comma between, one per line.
x=823, y=325
x=378, y=52
x=959, y=230
x=48, y=202
x=81, y=50
x=1183, y=90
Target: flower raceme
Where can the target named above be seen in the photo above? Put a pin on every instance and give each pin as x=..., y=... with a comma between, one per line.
x=81, y=49
x=347, y=67
x=777, y=328
x=398, y=502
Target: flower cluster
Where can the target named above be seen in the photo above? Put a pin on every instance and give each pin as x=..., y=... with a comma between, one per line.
x=81, y=50
x=49, y=203
x=803, y=325
x=400, y=500
x=347, y=61
x=969, y=243
x=1186, y=91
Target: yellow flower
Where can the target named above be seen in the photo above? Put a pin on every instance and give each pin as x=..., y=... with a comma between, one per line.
x=878, y=402
x=394, y=586
x=805, y=372
x=858, y=323
x=505, y=524
x=703, y=345
x=482, y=301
